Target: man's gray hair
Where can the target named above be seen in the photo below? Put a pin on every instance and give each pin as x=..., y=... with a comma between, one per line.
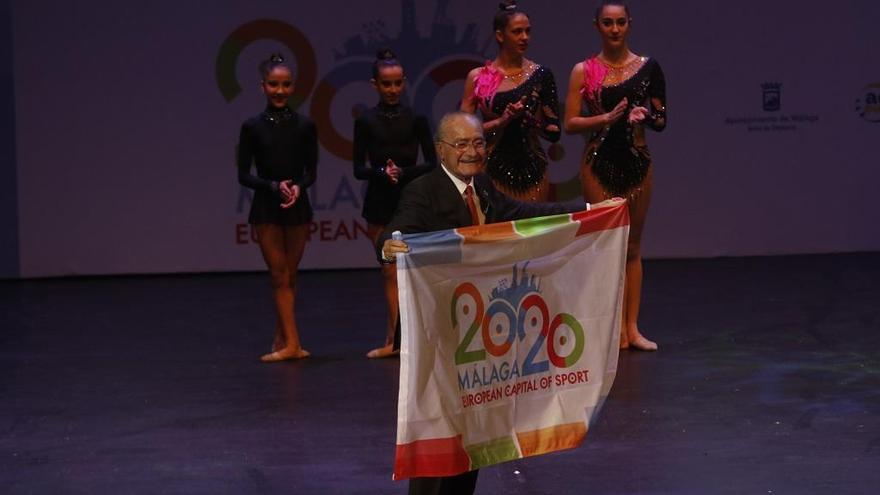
x=449, y=120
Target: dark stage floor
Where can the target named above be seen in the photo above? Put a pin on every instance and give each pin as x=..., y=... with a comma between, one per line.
x=767, y=382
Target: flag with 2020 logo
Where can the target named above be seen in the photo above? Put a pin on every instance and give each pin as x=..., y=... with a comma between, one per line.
x=510, y=338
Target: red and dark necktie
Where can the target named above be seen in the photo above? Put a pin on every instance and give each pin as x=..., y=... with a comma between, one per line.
x=472, y=206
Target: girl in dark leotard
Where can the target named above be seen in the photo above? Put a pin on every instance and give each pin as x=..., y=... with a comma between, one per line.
x=387, y=139
x=283, y=147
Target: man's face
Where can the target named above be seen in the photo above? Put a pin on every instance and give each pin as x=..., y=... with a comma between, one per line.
x=462, y=149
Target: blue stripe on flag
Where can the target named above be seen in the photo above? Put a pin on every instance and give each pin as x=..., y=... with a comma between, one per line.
x=433, y=248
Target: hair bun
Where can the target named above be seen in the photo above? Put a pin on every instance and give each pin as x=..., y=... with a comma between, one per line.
x=509, y=5
x=266, y=66
x=385, y=54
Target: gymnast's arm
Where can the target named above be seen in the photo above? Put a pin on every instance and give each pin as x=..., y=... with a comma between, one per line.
x=309, y=156
x=245, y=159
x=508, y=209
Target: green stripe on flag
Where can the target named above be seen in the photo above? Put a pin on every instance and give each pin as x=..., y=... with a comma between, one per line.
x=492, y=452
x=535, y=226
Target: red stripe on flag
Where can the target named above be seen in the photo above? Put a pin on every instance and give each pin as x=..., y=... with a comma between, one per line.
x=435, y=457
x=599, y=219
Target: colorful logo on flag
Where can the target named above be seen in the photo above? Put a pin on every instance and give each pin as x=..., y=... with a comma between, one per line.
x=516, y=312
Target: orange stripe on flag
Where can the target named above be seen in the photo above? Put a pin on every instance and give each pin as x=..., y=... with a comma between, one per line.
x=559, y=437
x=489, y=232
x=435, y=457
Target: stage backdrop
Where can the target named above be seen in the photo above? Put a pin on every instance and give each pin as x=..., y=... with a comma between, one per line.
x=127, y=116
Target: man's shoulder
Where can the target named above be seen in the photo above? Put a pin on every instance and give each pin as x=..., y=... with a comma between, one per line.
x=484, y=185
x=429, y=180
x=483, y=180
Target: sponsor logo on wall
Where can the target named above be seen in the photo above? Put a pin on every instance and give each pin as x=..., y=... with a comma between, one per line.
x=868, y=103
x=774, y=118
x=772, y=96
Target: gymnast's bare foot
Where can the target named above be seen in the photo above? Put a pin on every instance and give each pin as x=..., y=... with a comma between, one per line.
x=285, y=354
x=383, y=352
x=639, y=342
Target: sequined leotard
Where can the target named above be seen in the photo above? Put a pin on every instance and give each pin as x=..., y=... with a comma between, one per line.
x=517, y=163
x=618, y=155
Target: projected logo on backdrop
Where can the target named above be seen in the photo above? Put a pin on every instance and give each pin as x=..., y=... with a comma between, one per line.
x=289, y=36
x=436, y=61
x=517, y=312
x=868, y=103
x=432, y=62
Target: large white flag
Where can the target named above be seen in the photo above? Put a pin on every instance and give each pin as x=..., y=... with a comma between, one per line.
x=510, y=338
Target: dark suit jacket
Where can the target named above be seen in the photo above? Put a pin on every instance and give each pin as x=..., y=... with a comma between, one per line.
x=432, y=202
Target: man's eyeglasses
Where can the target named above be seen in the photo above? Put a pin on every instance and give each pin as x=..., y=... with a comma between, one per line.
x=462, y=146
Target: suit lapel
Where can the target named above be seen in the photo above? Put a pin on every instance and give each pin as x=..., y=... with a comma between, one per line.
x=482, y=185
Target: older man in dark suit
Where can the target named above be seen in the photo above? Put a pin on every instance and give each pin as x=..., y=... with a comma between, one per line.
x=456, y=194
